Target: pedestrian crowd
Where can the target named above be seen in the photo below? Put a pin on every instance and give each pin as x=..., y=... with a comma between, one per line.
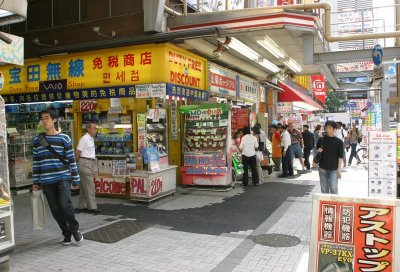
x=328, y=144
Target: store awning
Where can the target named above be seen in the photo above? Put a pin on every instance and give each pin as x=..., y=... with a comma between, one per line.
x=290, y=94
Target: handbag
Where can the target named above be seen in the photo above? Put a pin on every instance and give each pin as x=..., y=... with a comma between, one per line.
x=318, y=156
x=38, y=210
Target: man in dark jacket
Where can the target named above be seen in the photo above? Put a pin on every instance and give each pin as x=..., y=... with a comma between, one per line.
x=308, y=139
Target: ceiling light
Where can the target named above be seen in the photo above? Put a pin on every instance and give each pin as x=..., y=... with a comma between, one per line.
x=272, y=47
x=243, y=49
x=269, y=65
x=293, y=65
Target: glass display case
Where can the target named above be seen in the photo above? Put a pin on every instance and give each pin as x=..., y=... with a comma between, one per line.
x=20, y=158
x=114, y=136
x=7, y=241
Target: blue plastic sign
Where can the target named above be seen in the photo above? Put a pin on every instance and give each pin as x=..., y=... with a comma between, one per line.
x=377, y=54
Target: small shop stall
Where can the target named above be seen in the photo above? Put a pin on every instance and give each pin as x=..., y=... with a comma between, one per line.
x=206, y=146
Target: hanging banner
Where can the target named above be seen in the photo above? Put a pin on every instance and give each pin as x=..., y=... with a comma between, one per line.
x=354, y=234
x=319, y=87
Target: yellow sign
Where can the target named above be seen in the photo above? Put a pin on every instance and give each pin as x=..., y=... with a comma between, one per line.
x=132, y=65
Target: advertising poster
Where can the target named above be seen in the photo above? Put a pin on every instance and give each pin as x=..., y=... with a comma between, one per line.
x=240, y=118
x=382, y=168
x=351, y=234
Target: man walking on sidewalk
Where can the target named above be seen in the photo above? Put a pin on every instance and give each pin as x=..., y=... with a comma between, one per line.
x=287, y=167
x=296, y=146
x=330, y=164
x=54, y=168
x=87, y=167
x=308, y=139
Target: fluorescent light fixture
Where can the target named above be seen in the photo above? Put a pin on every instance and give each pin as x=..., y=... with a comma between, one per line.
x=243, y=49
x=246, y=51
x=293, y=65
x=272, y=47
x=269, y=65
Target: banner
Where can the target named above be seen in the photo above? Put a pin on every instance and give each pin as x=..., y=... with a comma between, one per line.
x=319, y=87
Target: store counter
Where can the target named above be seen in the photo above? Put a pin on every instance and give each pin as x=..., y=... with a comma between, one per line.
x=147, y=186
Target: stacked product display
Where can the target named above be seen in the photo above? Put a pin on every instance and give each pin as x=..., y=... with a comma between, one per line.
x=156, y=129
x=207, y=145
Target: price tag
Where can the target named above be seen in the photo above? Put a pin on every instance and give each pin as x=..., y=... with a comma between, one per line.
x=87, y=105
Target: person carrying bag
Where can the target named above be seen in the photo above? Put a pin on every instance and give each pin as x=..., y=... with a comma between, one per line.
x=38, y=210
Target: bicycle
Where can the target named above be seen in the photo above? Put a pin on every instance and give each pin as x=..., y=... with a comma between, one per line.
x=362, y=155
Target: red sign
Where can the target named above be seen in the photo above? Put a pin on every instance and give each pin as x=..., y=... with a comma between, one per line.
x=358, y=236
x=111, y=186
x=240, y=118
x=319, y=87
x=87, y=105
x=156, y=186
x=284, y=2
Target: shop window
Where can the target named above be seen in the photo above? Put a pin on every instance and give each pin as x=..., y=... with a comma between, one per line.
x=39, y=14
x=94, y=9
x=122, y=7
x=65, y=12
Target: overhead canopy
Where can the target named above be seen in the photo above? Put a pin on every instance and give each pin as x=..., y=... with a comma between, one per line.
x=290, y=94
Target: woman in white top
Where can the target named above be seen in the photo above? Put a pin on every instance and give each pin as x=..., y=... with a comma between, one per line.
x=248, y=147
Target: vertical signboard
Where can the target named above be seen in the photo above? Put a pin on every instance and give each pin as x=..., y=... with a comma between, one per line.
x=354, y=234
x=319, y=87
x=382, y=168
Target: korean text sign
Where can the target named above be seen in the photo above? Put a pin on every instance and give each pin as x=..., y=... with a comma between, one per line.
x=354, y=234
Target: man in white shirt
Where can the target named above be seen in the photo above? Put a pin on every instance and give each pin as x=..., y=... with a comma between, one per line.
x=87, y=167
x=248, y=146
x=287, y=167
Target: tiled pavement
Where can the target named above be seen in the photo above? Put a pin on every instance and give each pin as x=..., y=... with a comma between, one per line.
x=159, y=248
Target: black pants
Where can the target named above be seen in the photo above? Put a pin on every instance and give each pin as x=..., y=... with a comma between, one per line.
x=287, y=167
x=249, y=161
x=307, y=153
x=58, y=195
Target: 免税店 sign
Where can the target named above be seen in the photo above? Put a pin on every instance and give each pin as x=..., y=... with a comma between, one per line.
x=355, y=234
x=123, y=66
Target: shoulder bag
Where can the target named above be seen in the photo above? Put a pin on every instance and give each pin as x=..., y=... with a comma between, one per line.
x=318, y=156
x=44, y=143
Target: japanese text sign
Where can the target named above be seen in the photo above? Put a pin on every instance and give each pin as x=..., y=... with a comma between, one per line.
x=248, y=89
x=354, y=234
x=221, y=80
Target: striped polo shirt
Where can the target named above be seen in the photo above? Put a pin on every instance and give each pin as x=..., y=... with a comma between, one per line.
x=47, y=168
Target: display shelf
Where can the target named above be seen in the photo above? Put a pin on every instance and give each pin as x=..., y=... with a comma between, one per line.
x=156, y=131
x=7, y=240
x=205, y=145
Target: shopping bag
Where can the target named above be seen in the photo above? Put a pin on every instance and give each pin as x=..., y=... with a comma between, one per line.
x=259, y=155
x=38, y=210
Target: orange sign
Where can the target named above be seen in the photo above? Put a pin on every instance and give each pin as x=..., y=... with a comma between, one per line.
x=355, y=236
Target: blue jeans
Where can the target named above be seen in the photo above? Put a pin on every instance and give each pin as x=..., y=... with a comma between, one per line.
x=58, y=195
x=329, y=181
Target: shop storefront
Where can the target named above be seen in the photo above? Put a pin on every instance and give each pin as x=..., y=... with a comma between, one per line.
x=133, y=94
